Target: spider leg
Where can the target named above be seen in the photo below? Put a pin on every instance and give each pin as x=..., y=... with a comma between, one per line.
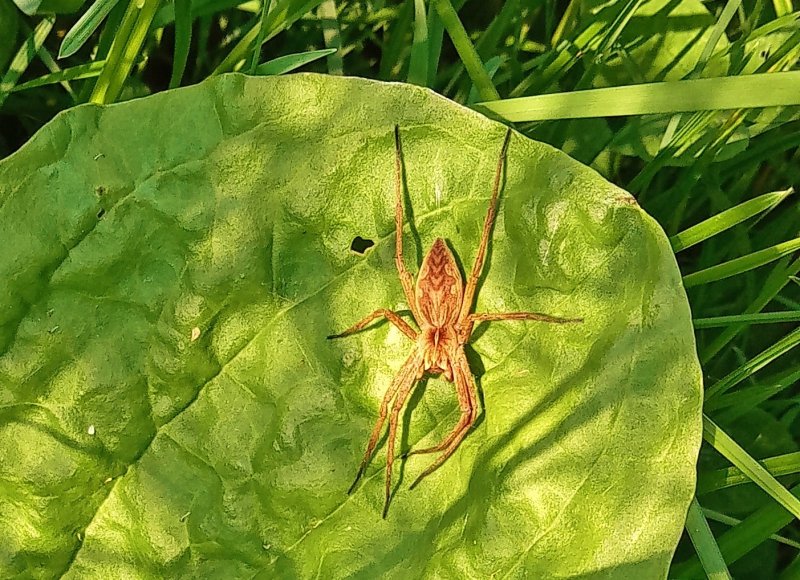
x=477, y=267
x=406, y=279
x=402, y=395
x=389, y=315
x=465, y=386
x=407, y=373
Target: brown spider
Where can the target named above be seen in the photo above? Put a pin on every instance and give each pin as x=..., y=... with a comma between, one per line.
x=441, y=307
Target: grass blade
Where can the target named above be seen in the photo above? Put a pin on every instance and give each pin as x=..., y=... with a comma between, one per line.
x=704, y=543
x=777, y=466
x=418, y=65
x=742, y=264
x=82, y=71
x=731, y=450
x=127, y=42
x=183, y=40
x=266, y=5
x=759, y=318
x=742, y=92
x=755, y=364
x=466, y=51
x=332, y=35
x=80, y=32
x=729, y=521
x=727, y=219
x=290, y=62
x=283, y=16
x=24, y=57
x=742, y=539
x=778, y=278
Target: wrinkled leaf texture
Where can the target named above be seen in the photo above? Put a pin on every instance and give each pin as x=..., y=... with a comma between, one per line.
x=129, y=449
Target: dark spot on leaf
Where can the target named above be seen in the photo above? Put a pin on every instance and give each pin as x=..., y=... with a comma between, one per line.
x=100, y=190
x=360, y=245
x=101, y=213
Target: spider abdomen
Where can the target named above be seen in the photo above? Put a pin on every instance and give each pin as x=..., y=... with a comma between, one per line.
x=440, y=289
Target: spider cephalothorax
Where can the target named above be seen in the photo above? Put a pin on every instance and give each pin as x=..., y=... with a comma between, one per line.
x=441, y=305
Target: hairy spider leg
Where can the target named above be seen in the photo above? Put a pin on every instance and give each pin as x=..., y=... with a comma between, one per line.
x=407, y=373
x=407, y=386
x=491, y=214
x=389, y=315
x=467, y=398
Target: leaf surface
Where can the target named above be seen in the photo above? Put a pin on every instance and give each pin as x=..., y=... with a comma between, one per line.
x=170, y=407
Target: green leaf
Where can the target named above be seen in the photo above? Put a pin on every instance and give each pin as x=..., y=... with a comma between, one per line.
x=171, y=407
x=727, y=219
x=750, y=91
x=290, y=62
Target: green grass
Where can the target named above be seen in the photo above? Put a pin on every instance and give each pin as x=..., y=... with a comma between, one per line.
x=696, y=112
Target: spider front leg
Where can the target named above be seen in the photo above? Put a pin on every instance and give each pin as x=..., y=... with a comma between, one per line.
x=389, y=315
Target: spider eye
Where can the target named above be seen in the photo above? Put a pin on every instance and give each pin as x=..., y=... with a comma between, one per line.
x=360, y=245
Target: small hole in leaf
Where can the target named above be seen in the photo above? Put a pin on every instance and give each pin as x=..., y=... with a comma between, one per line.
x=101, y=213
x=100, y=190
x=360, y=245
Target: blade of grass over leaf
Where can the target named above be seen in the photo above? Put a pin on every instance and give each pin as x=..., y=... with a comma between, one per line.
x=278, y=19
x=418, y=64
x=466, y=51
x=290, y=62
x=740, y=265
x=24, y=57
x=758, y=318
x=127, y=42
x=743, y=92
x=82, y=71
x=727, y=219
x=332, y=35
x=183, y=40
x=777, y=466
x=83, y=29
x=705, y=544
x=731, y=521
x=731, y=450
x=753, y=365
x=775, y=282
